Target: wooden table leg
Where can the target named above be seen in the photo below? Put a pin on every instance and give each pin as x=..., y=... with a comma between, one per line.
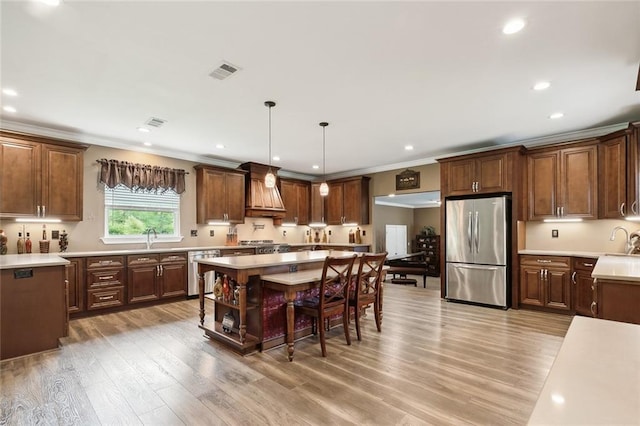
x=290, y=297
x=201, y=293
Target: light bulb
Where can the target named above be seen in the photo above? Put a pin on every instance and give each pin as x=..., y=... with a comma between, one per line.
x=324, y=189
x=270, y=180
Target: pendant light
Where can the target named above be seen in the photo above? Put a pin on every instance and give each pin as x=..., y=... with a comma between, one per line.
x=269, y=178
x=324, y=188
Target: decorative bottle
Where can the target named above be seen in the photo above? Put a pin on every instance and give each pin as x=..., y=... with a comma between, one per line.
x=28, y=244
x=358, y=236
x=20, y=243
x=3, y=242
x=352, y=238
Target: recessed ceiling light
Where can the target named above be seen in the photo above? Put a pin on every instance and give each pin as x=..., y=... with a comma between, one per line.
x=556, y=115
x=408, y=148
x=315, y=166
x=513, y=26
x=9, y=92
x=143, y=130
x=541, y=85
x=392, y=195
x=9, y=108
x=276, y=158
x=219, y=146
x=147, y=144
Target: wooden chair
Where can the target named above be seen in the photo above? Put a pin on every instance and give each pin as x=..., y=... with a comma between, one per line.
x=368, y=289
x=332, y=299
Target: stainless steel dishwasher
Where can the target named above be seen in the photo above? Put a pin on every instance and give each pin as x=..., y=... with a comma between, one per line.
x=209, y=277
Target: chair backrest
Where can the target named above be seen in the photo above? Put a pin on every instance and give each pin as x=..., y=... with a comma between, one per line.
x=369, y=274
x=336, y=277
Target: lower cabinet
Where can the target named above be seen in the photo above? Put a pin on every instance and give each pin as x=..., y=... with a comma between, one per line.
x=75, y=285
x=105, y=282
x=152, y=277
x=617, y=300
x=582, y=285
x=173, y=275
x=545, y=282
x=142, y=278
x=114, y=281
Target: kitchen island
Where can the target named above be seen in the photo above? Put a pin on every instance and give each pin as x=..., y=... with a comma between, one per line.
x=616, y=288
x=253, y=312
x=33, y=308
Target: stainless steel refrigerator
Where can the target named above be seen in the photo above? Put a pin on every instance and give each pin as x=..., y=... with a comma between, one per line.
x=477, y=250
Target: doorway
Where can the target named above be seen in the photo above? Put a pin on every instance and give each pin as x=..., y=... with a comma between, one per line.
x=396, y=239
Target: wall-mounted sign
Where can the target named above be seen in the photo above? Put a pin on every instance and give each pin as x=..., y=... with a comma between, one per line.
x=409, y=179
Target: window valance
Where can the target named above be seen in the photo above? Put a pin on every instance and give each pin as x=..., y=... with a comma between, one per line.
x=139, y=177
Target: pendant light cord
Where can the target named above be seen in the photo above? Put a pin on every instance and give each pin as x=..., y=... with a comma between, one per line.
x=269, y=137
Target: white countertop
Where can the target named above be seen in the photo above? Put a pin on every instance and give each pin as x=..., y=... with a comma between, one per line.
x=595, y=378
x=31, y=260
x=625, y=268
x=187, y=249
x=266, y=260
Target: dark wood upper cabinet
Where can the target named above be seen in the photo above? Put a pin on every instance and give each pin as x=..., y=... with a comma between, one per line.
x=219, y=194
x=317, y=213
x=618, y=171
x=481, y=173
x=348, y=201
x=40, y=177
x=295, y=196
x=562, y=182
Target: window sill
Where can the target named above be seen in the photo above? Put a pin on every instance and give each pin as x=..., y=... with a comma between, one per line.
x=140, y=240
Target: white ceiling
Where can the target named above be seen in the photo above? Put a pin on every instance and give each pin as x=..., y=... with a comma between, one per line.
x=440, y=76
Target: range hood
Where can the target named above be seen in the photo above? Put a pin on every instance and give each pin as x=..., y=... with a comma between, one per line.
x=261, y=201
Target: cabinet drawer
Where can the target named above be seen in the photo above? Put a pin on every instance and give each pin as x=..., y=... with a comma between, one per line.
x=545, y=261
x=238, y=252
x=104, y=277
x=105, y=298
x=584, y=263
x=142, y=259
x=173, y=257
x=104, y=262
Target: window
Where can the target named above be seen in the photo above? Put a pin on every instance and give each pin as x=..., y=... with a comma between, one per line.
x=129, y=214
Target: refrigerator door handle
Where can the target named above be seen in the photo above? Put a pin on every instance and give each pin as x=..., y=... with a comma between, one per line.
x=469, y=232
x=483, y=267
x=476, y=237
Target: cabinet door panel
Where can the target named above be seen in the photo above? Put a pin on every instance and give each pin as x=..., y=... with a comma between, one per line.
x=612, y=192
x=490, y=174
x=558, y=289
x=76, y=287
x=235, y=197
x=531, y=290
x=62, y=182
x=174, y=280
x=542, y=178
x=19, y=178
x=334, y=204
x=317, y=204
x=353, y=201
x=461, y=176
x=303, y=204
x=578, y=173
x=583, y=293
x=289, y=194
x=143, y=284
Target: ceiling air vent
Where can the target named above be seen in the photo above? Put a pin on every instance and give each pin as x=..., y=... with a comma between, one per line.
x=155, y=122
x=224, y=70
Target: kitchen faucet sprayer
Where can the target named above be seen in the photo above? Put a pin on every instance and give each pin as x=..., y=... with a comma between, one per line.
x=627, y=245
x=155, y=235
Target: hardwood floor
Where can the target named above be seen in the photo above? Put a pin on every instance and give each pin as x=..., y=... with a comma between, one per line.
x=434, y=363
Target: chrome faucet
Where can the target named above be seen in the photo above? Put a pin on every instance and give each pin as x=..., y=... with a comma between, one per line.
x=628, y=247
x=155, y=235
